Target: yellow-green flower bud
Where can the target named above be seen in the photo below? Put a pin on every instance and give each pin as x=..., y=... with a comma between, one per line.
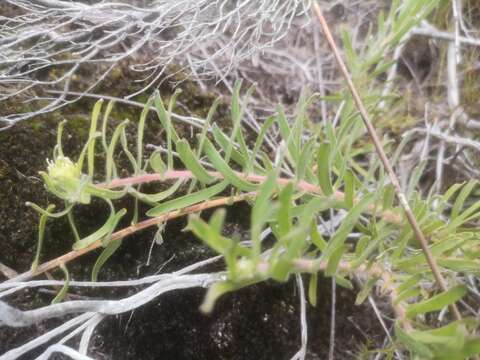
x=63, y=169
x=65, y=180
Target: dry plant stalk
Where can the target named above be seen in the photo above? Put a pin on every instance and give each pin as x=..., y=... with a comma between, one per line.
x=70, y=37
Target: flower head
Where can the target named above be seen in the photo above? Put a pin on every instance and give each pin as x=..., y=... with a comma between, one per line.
x=65, y=180
x=63, y=169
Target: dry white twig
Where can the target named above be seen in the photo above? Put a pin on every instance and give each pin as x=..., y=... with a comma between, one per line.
x=333, y=314
x=69, y=36
x=301, y=353
x=62, y=349
x=427, y=29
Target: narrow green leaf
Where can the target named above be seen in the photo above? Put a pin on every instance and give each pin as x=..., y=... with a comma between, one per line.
x=343, y=282
x=415, y=177
x=63, y=291
x=104, y=256
x=305, y=160
x=349, y=188
x=350, y=53
x=41, y=234
x=323, y=168
x=236, y=108
x=370, y=249
x=408, y=294
x=438, y=249
x=296, y=242
x=409, y=282
x=437, y=302
x=91, y=135
x=260, y=210
x=206, y=126
x=413, y=345
x=462, y=196
x=214, y=292
x=71, y=221
x=312, y=289
x=311, y=209
x=388, y=197
x=191, y=162
x=472, y=347
x=171, y=104
x=460, y=265
x=445, y=198
x=225, y=170
x=217, y=220
x=165, y=120
x=123, y=140
x=153, y=199
x=106, y=117
x=237, y=112
x=334, y=260
x=284, y=214
x=110, y=224
x=366, y=290
x=58, y=148
x=47, y=213
x=451, y=337
x=141, y=130
x=317, y=238
x=347, y=225
x=288, y=135
x=261, y=135
x=157, y=164
x=210, y=235
x=225, y=143
x=467, y=215
x=187, y=200
x=81, y=157
x=105, y=193
x=110, y=164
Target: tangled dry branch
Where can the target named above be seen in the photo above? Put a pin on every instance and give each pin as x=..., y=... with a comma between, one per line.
x=48, y=44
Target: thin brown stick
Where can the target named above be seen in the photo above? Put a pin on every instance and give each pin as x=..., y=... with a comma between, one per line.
x=384, y=159
x=387, y=215
x=6, y=271
x=52, y=264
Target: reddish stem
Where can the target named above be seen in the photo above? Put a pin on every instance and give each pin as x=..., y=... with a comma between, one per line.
x=302, y=185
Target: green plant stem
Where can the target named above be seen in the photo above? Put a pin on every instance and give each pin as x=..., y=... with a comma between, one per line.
x=73, y=226
x=387, y=215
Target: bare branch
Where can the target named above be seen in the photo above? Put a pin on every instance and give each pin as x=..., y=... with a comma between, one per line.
x=62, y=38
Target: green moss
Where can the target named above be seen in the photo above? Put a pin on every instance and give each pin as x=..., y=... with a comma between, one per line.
x=77, y=126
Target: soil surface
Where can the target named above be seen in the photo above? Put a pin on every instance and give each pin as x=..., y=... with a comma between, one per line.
x=258, y=322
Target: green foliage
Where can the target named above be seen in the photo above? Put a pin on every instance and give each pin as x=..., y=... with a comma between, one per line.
x=329, y=178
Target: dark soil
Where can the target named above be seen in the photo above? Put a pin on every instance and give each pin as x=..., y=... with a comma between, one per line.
x=258, y=322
